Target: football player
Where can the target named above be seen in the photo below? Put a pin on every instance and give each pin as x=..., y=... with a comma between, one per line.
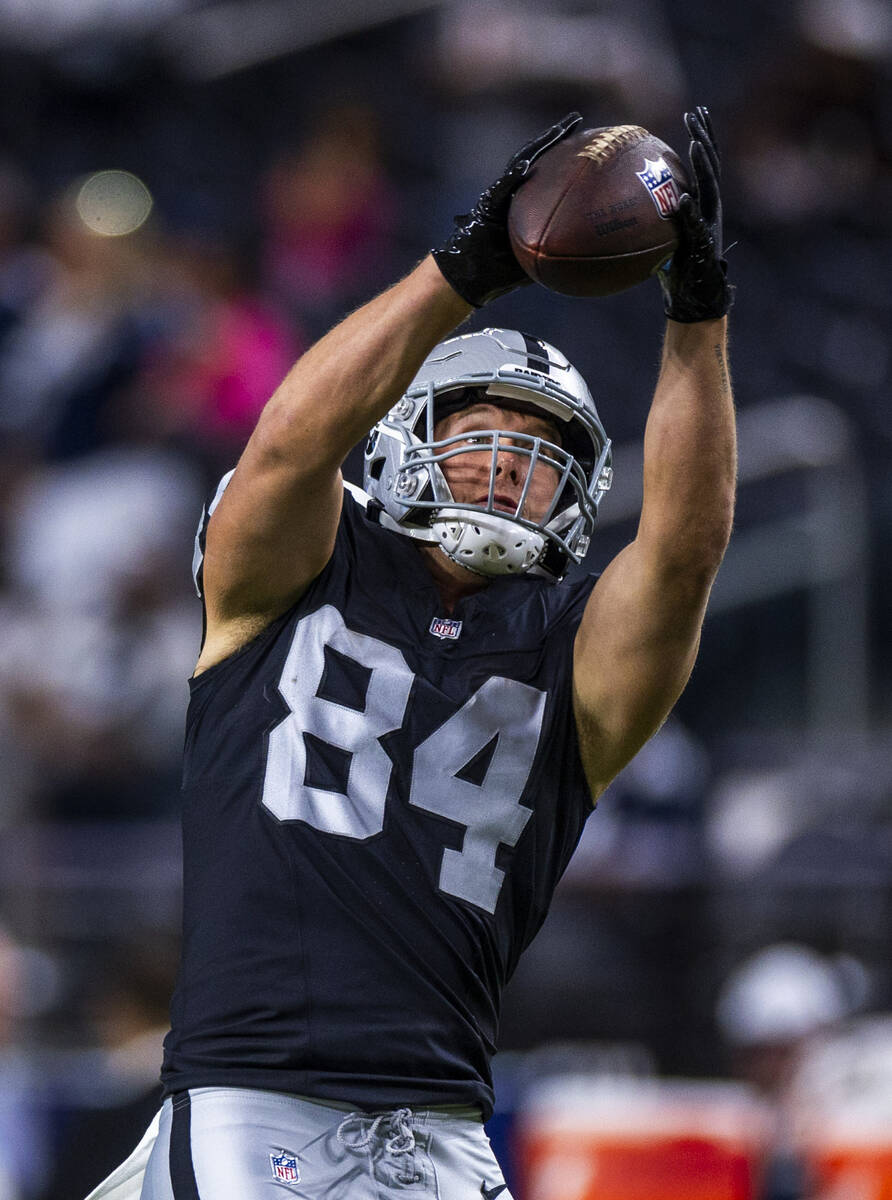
x=401, y=716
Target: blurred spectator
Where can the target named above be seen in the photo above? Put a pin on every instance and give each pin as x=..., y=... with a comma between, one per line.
x=110, y=1090
x=841, y=1104
x=100, y=632
x=809, y=148
x=219, y=352
x=489, y=45
x=810, y=167
x=77, y=341
x=328, y=213
x=25, y=268
x=796, y=811
x=811, y=143
x=24, y=1127
x=772, y=1010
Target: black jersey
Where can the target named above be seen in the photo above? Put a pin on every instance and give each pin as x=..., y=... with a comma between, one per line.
x=378, y=801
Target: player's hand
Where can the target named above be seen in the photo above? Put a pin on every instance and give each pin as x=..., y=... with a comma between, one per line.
x=694, y=282
x=476, y=259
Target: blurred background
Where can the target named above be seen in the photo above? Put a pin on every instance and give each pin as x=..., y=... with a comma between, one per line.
x=191, y=192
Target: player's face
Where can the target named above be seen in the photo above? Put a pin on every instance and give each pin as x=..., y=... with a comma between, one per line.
x=468, y=474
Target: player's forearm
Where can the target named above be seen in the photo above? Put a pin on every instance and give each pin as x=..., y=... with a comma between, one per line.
x=348, y=380
x=690, y=457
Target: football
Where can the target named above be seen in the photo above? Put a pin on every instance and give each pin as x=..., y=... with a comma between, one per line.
x=594, y=215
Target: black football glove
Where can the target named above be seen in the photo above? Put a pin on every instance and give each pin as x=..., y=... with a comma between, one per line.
x=477, y=260
x=694, y=283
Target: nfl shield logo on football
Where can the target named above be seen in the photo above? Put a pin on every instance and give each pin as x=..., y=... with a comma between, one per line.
x=657, y=178
x=285, y=1169
x=445, y=627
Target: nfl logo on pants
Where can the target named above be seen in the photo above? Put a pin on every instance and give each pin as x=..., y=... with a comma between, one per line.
x=285, y=1169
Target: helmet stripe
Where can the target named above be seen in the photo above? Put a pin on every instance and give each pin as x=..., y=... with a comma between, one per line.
x=537, y=354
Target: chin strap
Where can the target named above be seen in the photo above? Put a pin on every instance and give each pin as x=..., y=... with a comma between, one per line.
x=377, y=513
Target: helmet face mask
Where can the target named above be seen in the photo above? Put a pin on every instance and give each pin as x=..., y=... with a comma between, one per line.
x=404, y=459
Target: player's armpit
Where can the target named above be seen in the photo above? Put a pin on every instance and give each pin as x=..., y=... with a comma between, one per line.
x=633, y=654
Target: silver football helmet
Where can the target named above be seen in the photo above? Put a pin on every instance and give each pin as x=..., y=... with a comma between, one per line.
x=403, y=460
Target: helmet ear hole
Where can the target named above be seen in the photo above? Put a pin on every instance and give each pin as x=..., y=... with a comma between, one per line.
x=375, y=468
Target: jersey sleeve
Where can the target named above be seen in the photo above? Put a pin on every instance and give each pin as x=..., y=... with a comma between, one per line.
x=355, y=501
x=201, y=533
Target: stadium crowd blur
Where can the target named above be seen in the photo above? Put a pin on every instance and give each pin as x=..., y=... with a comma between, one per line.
x=286, y=191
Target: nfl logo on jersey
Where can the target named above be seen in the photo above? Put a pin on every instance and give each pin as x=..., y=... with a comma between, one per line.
x=445, y=627
x=285, y=1169
x=657, y=178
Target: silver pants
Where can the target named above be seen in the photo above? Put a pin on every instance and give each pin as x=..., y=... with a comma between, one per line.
x=245, y=1144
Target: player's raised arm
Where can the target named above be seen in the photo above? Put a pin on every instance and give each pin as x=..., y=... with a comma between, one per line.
x=274, y=528
x=640, y=631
